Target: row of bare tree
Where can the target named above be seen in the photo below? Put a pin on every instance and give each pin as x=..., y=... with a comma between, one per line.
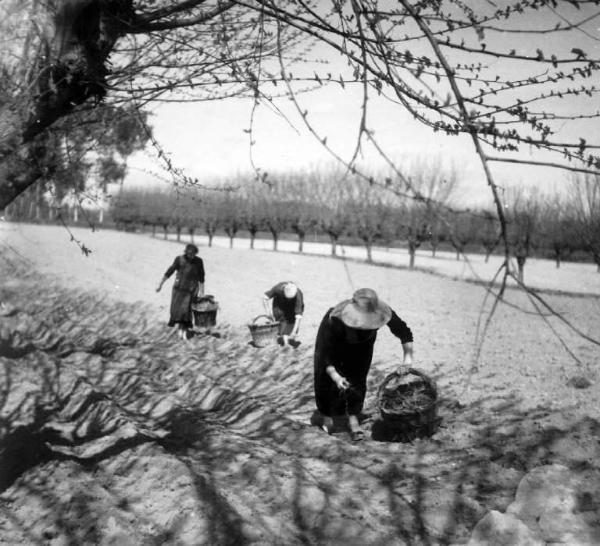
x=346, y=207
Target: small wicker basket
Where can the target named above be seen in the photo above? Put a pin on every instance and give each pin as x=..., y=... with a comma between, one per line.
x=264, y=331
x=407, y=402
x=204, y=310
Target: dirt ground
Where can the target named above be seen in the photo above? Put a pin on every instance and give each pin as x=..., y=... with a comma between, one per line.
x=113, y=431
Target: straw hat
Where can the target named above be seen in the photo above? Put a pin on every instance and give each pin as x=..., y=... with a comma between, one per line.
x=365, y=311
x=290, y=290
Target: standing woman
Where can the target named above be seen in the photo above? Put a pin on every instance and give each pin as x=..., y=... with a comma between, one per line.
x=343, y=354
x=189, y=283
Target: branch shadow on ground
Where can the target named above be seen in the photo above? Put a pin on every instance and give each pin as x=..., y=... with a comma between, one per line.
x=235, y=423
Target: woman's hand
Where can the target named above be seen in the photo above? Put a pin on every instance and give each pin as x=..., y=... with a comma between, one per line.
x=341, y=382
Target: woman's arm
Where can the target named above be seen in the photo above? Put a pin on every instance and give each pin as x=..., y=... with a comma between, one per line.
x=174, y=266
x=407, y=349
x=298, y=310
x=401, y=330
x=296, y=327
x=328, y=341
x=267, y=305
x=339, y=380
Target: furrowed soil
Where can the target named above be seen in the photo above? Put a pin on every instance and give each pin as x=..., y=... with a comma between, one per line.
x=114, y=431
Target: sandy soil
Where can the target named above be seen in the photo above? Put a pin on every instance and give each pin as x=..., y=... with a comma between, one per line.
x=114, y=432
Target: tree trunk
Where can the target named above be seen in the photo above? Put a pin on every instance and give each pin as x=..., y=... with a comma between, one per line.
x=101, y=215
x=252, y=237
x=521, y=268
x=231, y=238
x=191, y=232
x=166, y=231
x=300, y=242
x=333, y=245
x=412, y=249
x=80, y=36
x=178, y=231
x=369, y=247
x=210, y=237
x=557, y=260
x=275, y=236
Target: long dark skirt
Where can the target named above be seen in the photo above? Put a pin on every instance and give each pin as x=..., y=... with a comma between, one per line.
x=353, y=361
x=181, y=307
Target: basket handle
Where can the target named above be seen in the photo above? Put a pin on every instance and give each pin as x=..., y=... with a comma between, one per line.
x=397, y=374
x=406, y=370
x=269, y=320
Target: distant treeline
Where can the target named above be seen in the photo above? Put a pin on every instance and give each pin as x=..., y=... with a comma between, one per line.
x=344, y=209
x=351, y=211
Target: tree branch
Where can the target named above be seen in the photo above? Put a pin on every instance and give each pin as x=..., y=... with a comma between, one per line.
x=543, y=164
x=140, y=27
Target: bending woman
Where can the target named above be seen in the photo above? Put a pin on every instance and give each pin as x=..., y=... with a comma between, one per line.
x=343, y=354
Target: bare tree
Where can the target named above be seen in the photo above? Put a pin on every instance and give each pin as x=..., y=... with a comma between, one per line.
x=523, y=213
x=274, y=210
x=414, y=227
x=232, y=220
x=488, y=231
x=426, y=193
x=210, y=212
x=371, y=215
x=330, y=193
x=300, y=209
x=251, y=209
x=462, y=232
x=558, y=228
x=585, y=190
x=191, y=211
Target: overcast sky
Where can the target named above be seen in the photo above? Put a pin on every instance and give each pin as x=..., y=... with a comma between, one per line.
x=208, y=141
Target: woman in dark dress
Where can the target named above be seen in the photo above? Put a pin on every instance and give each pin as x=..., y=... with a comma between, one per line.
x=343, y=354
x=189, y=283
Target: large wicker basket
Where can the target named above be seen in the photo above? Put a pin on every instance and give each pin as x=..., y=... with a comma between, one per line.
x=204, y=310
x=407, y=402
x=264, y=331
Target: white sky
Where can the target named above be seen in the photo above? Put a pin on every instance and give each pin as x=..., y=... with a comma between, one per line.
x=208, y=141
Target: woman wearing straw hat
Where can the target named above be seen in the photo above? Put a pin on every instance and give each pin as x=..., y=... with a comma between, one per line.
x=287, y=308
x=189, y=283
x=343, y=354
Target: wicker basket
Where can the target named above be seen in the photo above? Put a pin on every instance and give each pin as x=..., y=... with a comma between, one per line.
x=407, y=403
x=264, y=331
x=204, y=310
